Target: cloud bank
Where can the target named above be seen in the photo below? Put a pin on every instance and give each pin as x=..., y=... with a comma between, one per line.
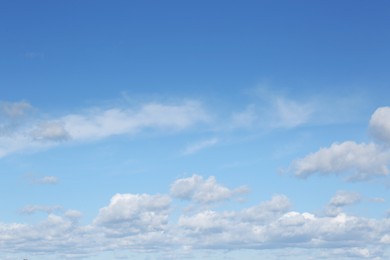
x=150, y=223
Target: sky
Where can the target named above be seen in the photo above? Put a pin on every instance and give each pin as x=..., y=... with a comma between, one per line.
x=194, y=129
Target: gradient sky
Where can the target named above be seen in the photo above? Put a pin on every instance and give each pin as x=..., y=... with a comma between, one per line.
x=194, y=129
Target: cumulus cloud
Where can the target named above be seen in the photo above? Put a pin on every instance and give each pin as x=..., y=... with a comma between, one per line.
x=340, y=200
x=198, y=189
x=95, y=124
x=129, y=213
x=380, y=124
x=358, y=161
x=146, y=223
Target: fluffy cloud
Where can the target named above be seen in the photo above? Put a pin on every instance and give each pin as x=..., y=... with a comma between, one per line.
x=343, y=198
x=94, y=124
x=144, y=222
x=204, y=191
x=340, y=200
x=380, y=124
x=358, y=161
x=129, y=213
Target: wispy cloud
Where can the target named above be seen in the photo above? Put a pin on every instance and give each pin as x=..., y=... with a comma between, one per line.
x=14, y=109
x=271, y=109
x=45, y=180
x=96, y=124
x=196, y=147
x=31, y=209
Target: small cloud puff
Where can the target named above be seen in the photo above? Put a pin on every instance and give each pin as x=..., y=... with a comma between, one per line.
x=203, y=191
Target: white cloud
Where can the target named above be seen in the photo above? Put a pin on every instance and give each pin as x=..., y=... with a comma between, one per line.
x=204, y=191
x=95, y=124
x=145, y=223
x=129, y=213
x=200, y=145
x=340, y=200
x=344, y=198
x=116, y=121
x=358, y=161
x=380, y=124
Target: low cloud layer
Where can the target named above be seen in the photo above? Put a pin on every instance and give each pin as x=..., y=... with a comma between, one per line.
x=150, y=223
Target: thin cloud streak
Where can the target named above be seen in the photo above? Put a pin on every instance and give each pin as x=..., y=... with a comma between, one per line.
x=98, y=124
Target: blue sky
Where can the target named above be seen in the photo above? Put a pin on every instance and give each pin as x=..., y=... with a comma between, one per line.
x=194, y=129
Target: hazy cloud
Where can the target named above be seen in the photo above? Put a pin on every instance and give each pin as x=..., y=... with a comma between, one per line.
x=14, y=109
x=96, y=124
x=31, y=209
x=49, y=180
x=193, y=148
x=50, y=131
